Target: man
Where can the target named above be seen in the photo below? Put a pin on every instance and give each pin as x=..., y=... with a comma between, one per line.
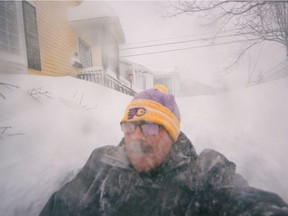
x=156, y=171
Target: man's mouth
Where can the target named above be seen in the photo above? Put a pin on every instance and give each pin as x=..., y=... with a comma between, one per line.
x=140, y=147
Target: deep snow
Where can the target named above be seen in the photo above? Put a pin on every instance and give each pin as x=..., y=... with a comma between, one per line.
x=50, y=125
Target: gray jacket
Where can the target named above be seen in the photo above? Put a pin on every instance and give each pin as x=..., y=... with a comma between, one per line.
x=186, y=184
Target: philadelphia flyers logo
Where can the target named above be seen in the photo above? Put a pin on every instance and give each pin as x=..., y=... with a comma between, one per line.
x=136, y=111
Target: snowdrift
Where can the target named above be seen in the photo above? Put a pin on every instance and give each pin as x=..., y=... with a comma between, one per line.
x=50, y=125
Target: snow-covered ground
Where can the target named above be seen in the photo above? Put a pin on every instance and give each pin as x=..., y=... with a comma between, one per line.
x=50, y=125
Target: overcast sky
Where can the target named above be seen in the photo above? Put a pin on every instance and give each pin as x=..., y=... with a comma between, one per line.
x=146, y=22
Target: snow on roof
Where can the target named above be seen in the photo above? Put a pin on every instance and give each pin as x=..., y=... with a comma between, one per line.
x=86, y=16
x=90, y=10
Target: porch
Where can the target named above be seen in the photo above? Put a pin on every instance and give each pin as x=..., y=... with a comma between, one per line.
x=105, y=78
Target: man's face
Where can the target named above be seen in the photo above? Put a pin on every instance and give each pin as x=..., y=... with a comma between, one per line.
x=147, y=152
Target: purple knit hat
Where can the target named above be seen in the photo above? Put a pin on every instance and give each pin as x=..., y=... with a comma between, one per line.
x=157, y=106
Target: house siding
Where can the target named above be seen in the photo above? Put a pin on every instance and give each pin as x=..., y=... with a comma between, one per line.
x=58, y=42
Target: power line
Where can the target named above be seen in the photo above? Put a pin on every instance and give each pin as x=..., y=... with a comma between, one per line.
x=179, y=42
x=172, y=38
x=194, y=47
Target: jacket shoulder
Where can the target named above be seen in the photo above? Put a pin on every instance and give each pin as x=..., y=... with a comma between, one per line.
x=185, y=147
x=103, y=151
x=109, y=155
x=216, y=170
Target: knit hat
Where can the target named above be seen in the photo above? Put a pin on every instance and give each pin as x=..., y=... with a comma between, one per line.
x=157, y=106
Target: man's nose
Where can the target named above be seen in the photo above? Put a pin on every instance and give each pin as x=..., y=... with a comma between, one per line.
x=138, y=132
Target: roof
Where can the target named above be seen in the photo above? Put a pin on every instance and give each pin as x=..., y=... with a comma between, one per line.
x=89, y=15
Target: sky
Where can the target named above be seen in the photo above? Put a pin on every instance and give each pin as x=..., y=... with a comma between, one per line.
x=147, y=23
x=50, y=125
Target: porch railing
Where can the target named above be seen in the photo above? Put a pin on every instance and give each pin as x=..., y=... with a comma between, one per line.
x=98, y=76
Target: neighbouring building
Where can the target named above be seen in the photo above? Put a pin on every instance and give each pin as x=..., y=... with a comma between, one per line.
x=136, y=75
x=61, y=38
x=141, y=77
x=70, y=38
x=168, y=77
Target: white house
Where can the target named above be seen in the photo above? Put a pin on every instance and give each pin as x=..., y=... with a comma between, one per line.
x=168, y=77
x=138, y=76
x=141, y=77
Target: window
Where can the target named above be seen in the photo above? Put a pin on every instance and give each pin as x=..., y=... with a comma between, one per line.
x=31, y=36
x=9, y=35
x=19, y=44
x=85, y=55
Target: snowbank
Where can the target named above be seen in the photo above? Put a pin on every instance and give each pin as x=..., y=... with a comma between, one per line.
x=50, y=125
